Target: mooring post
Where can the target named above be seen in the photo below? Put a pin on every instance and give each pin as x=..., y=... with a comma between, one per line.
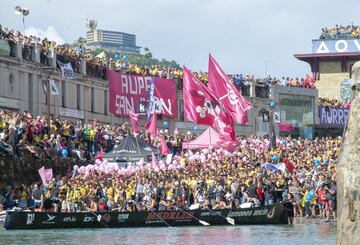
x=348, y=172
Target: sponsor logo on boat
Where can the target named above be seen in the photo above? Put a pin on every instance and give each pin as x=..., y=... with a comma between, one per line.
x=170, y=215
x=122, y=217
x=210, y=213
x=271, y=213
x=245, y=213
x=106, y=218
x=69, y=219
x=88, y=219
x=50, y=220
x=30, y=218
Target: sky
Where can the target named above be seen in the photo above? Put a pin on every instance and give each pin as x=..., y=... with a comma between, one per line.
x=256, y=37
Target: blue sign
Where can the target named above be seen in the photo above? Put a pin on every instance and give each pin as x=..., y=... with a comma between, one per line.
x=335, y=46
x=333, y=116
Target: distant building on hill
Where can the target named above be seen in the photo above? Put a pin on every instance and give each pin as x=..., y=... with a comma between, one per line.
x=110, y=40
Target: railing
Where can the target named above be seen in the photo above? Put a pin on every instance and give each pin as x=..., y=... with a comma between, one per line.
x=262, y=91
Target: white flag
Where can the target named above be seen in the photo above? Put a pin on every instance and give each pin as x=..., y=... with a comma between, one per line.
x=67, y=70
x=53, y=88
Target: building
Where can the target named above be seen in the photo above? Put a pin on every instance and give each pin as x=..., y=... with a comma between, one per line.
x=110, y=40
x=331, y=61
x=86, y=98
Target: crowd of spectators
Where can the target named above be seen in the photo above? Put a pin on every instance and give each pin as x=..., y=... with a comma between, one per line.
x=204, y=178
x=96, y=66
x=325, y=102
x=340, y=32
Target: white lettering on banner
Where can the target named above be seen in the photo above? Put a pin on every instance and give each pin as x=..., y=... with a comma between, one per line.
x=30, y=218
x=357, y=44
x=248, y=213
x=334, y=116
x=344, y=48
x=50, y=220
x=123, y=217
x=88, y=219
x=323, y=48
x=69, y=219
x=123, y=103
x=135, y=85
x=159, y=106
x=341, y=117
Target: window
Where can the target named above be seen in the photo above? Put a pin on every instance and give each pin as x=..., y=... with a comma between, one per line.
x=63, y=94
x=92, y=97
x=105, y=102
x=78, y=96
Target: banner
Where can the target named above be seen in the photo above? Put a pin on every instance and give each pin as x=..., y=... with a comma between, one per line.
x=127, y=91
x=46, y=174
x=333, y=116
x=53, y=88
x=4, y=47
x=67, y=71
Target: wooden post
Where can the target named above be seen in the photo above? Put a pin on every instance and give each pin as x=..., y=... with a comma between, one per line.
x=348, y=172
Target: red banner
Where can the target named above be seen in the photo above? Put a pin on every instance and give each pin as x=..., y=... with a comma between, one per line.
x=128, y=91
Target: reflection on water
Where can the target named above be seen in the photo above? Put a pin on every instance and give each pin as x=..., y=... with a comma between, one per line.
x=300, y=233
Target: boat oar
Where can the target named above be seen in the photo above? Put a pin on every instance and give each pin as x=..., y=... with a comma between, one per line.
x=228, y=219
x=192, y=216
x=149, y=209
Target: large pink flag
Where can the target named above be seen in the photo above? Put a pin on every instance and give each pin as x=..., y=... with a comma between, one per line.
x=151, y=126
x=154, y=162
x=134, y=119
x=224, y=89
x=201, y=107
x=164, y=150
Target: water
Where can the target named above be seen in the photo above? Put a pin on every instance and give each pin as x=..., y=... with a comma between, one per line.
x=304, y=232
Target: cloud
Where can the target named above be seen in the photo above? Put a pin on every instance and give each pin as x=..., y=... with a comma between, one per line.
x=50, y=33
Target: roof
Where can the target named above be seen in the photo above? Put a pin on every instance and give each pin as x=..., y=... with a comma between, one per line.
x=326, y=56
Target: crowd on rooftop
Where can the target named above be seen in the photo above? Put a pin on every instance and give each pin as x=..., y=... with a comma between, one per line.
x=323, y=102
x=340, y=32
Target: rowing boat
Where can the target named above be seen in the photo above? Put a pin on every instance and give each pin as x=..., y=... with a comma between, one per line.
x=273, y=214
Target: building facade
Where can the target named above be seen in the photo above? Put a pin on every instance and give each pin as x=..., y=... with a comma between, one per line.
x=331, y=61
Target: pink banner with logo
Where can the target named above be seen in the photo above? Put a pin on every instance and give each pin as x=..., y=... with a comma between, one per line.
x=128, y=92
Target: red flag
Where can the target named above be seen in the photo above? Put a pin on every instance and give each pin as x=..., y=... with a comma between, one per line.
x=223, y=88
x=285, y=127
x=100, y=154
x=201, y=107
x=164, y=150
x=151, y=126
x=289, y=165
x=134, y=119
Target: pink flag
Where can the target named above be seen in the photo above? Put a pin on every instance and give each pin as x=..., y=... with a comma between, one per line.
x=100, y=154
x=285, y=127
x=154, y=161
x=223, y=88
x=201, y=107
x=45, y=174
x=134, y=119
x=151, y=126
x=164, y=150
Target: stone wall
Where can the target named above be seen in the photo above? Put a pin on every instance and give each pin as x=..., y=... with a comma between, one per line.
x=348, y=173
x=329, y=84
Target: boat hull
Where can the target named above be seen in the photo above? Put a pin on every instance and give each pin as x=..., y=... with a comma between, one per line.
x=274, y=214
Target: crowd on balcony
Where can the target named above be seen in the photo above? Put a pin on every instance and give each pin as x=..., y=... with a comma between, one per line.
x=326, y=102
x=340, y=32
x=96, y=66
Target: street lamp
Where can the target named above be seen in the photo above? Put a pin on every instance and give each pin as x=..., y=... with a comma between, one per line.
x=24, y=11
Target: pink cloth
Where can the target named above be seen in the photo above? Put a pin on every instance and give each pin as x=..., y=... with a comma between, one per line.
x=151, y=126
x=134, y=119
x=211, y=138
x=285, y=127
x=154, y=161
x=45, y=174
x=202, y=107
x=224, y=89
x=164, y=150
x=100, y=154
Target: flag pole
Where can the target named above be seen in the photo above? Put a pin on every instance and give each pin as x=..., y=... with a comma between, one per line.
x=209, y=135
